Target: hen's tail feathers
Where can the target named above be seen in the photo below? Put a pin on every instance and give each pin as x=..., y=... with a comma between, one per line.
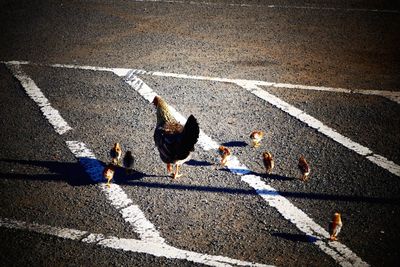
x=190, y=133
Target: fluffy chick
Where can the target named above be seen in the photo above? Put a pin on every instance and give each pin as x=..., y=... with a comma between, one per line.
x=268, y=162
x=108, y=173
x=304, y=168
x=335, y=226
x=115, y=154
x=256, y=137
x=224, y=152
x=128, y=162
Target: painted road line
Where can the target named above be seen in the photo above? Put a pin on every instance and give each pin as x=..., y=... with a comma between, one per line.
x=152, y=242
x=339, y=252
x=251, y=85
x=322, y=128
x=131, y=245
x=115, y=194
x=118, y=198
x=31, y=89
x=272, y=6
x=391, y=95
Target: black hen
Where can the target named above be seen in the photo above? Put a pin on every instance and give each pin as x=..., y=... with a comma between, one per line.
x=174, y=141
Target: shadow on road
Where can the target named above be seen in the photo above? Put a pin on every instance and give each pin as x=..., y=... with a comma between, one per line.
x=235, y=144
x=296, y=237
x=70, y=172
x=74, y=174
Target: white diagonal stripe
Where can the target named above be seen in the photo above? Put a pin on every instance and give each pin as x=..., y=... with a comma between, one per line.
x=339, y=252
x=132, y=245
x=391, y=95
x=322, y=128
x=115, y=194
x=52, y=115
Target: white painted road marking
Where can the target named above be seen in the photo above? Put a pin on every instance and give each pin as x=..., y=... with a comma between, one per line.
x=393, y=11
x=339, y=252
x=391, y=95
x=151, y=241
x=115, y=194
x=132, y=245
x=322, y=128
x=52, y=115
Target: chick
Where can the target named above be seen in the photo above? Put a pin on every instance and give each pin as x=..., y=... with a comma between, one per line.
x=115, y=154
x=224, y=152
x=268, y=162
x=108, y=173
x=256, y=137
x=335, y=226
x=128, y=162
x=304, y=168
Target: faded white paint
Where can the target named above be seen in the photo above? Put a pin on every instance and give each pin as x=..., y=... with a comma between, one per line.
x=322, y=128
x=115, y=194
x=339, y=252
x=132, y=245
x=151, y=242
x=126, y=72
x=33, y=91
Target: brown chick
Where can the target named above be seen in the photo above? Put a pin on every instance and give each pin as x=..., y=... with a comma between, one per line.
x=256, y=137
x=268, y=162
x=116, y=153
x=224, y=152
x=174, y=141
x=108, y=173
x=335, y=226
x=304, y=168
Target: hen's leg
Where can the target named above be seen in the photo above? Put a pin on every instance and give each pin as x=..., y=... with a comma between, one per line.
x=176, y=175
x=169, y=168
x=223, y=160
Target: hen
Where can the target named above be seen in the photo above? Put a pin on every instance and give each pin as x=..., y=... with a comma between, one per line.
x=174, y=141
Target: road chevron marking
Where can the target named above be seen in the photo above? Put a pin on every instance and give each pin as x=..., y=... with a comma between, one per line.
x=391, y=95
x=322, y=128
x=151, y=242
x=133, y=245
x=339, y=252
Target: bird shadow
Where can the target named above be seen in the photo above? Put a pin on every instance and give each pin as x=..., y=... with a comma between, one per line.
x=120, y=175
x=235, y=144
x=86, y=171
x=81, y=173
x=274, y=176
x=193, y=162
x=296, y=237
x=71, y=172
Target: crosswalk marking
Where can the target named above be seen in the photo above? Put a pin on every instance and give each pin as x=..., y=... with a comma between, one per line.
x=391, y=95
x=151, y=242
x=133, y=245
x=51, y=114
x=339, y=252
x=322, y=128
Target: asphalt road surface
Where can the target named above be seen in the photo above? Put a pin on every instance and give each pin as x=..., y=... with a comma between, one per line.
x=321, y=79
